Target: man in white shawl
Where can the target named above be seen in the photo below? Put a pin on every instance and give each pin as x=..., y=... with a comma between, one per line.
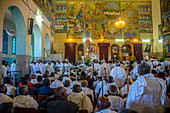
x=38, y=67
x=80, y=99
x=50, y=68
x=118, y=72
x=147, y=93
x=105, y=68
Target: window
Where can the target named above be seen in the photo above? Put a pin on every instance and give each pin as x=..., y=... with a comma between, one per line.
x=13, y=45
x=5, y=42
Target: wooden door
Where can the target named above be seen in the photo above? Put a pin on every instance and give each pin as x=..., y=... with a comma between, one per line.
x=137, y=47
x=70, y=51
x=103, y=51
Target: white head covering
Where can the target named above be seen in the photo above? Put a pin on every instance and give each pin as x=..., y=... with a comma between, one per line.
x=119, y=81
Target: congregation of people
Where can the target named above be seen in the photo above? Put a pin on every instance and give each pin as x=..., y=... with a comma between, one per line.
x=97, y=87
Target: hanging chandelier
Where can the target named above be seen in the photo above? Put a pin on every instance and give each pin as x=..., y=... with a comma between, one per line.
x=120, y=23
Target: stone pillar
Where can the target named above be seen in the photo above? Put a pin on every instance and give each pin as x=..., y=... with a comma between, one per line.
x=0, y=66
x=23, y=63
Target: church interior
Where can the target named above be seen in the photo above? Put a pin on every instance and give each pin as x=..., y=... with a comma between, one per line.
x=82, y=30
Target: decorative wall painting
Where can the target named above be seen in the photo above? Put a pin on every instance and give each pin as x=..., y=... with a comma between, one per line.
x=166, y=45
x=145, y=56
x=75, y=28
x=129, y=10
x=148, y=48
x=111, y=31
x=94, y=29
x=130, y=31
x=159, y=32
x=165, y=16
x=111, y=9
x=145, y=26
x=76, y=9
x=94, y=10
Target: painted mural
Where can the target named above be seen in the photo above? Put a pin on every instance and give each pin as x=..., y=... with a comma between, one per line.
x=61, y=16
x=131, y=30
x=94, y=29
x=159, y=32
x=76, y=9
x=94, y=10
x=75, y=28
x=145, y=20
x=111, y=31
x=165, y=16
x=166, y=45
x=129, y=10
x=111, y=9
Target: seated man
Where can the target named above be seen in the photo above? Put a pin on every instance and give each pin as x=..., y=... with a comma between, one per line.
x=57, y=83
x=24, y=100
x=40, y=83
x=61, y=104
x=10, y=88
x=6, y=107
x=85, y=89
x=80, y=98
x=50, y=98
x=147, y=93
x=33, y=79
x=45, y=89
x=103, y=105
x=66, y=86
x=116, y=102
x=3, y=96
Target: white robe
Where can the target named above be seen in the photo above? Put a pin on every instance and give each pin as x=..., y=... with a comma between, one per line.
x=81, y=100
x=103, y=67
x=13, y=68
x=88, y=91
x=4, y=98
x=49, y=68
x=146, y=95
x=38, y=67
x=25, y=101
x=10, y=89
x=4, y=71
x=106, y=111
x=118, y=72
x=56, y=84
x=116, y=102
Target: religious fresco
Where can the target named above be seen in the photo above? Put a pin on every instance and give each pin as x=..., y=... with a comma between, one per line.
x=94, y=10
x=48, y=8
x=111, y=31
x=131, y=30
x=75, y=28
x=148, y=48
x=61, y=16
x=76, y=9
x=145, y=20
x=111, y=9
x=166, y=45
x=159, y=32
x=145, y=26
x=165, y=16
x=129, y=10
x=94, y=29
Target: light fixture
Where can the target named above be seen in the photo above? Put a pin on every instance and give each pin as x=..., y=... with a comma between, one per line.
x=120, y=23
x=90, y=39
x=160, y=41
x=70, y=40
x=135, y=40
x=146, y=40
x=84, y=39
x=39, y=18
x=119, y=40
x=11, y=31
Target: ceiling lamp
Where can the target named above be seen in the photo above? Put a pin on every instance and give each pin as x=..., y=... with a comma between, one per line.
x=11, y=31
x=120, y=23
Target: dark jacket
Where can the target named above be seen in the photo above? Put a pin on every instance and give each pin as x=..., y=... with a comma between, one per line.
x=44, y=90
x=61, y=105
x=44, y=103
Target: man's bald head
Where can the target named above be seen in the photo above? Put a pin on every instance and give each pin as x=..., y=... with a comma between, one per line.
x=3, y=89
x=103, y=103
x=77, y=88
x=23, y=90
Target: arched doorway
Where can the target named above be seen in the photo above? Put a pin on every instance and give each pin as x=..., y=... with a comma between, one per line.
x=126, y=52
x=37, y=42
x=14, y=38
x=80, y=51
x=47, y=45
x=114, y=52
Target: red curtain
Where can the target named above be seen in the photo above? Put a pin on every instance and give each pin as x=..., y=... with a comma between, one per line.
x=103, y=51
x=70, y=51
x=138, y=51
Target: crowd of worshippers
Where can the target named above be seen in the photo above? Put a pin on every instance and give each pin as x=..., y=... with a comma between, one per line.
x=98, y=87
